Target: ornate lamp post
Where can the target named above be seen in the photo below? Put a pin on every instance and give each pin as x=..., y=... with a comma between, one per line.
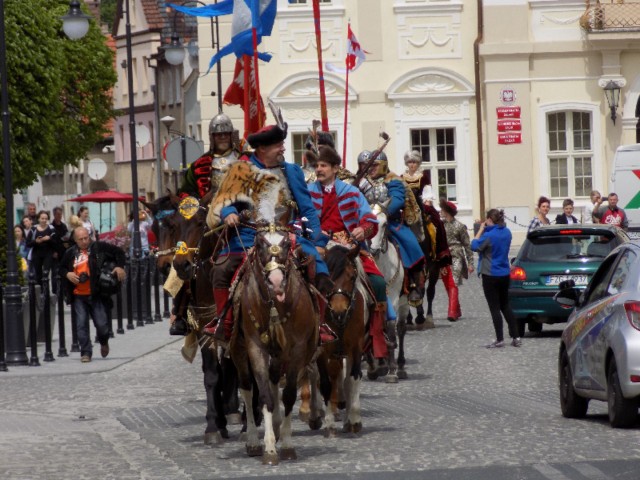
x=16, y=350
x=137, y=246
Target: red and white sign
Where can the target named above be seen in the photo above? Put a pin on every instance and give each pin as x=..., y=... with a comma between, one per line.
x=509, y=125
x=508, y=96
x=508, y=112
x=509, y=138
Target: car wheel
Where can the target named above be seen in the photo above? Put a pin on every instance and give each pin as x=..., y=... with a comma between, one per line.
x=571, y=404
x=535, y=327
x=521, y=325
x=622, y=411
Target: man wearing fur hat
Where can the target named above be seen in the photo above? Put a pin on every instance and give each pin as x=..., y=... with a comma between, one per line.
x=414, y=177
x=206, y=172
x=461, y=256
x=346, y=215
x=387, y=190
x=249, y=190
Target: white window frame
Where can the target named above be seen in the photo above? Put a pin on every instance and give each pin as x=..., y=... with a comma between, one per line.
x=434, y=166
x=543, y=152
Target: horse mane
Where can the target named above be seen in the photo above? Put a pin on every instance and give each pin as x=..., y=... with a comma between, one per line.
x=337, y=258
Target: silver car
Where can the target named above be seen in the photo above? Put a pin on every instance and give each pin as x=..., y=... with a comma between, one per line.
x=599, y=354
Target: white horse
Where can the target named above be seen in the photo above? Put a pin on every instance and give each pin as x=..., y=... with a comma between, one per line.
x=388, y=260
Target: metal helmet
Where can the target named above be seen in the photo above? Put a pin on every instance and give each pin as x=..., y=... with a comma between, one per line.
x=364, y=156
x=221, y=123
x=382, y=157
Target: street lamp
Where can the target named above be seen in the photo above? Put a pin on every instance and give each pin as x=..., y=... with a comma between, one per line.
x=75, y=23
x=612, y=94
x=16, y=350
x=137, y=246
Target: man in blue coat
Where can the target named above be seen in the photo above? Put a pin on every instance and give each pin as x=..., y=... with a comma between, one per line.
x=387, y=190
x=263, y=187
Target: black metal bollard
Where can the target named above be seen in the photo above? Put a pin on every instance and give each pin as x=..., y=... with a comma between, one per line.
x=165, y=300
x=119, y=310
x=33, y=330
x=130, y=325
x=62, y=342
x=146, y=286
x=156, y=292
x=46, y=314
x=3, y=364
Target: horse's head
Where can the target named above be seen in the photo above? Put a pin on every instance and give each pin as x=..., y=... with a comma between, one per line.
x=189, y=225
x=341, y=263
x=272, y=250
x=377, y=242
x=163, y=210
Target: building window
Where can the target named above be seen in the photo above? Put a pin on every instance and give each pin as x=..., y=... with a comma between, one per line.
x=570, y=154
x=438, y=149
x=297, y=143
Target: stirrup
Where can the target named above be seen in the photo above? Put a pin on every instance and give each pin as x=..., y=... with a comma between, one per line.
x=212, y=327
x=327, y=335
x=415, y=296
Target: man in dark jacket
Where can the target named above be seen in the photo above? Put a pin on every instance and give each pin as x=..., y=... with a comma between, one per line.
x=81, y=265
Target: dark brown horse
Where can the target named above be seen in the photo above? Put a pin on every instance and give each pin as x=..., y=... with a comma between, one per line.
x=276, y=334
x=346, y=314
x=183, y=241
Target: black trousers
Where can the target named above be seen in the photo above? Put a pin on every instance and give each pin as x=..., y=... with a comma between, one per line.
x=496, y=291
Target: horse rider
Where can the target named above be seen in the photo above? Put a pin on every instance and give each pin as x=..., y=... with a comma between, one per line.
x=416, y=178
x=345, y=215
x=386, y=191
x=244, y=194
x=202, y=176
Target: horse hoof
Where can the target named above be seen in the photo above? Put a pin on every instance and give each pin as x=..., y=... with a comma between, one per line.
x=288, y=454
x=254, y=450
x=234, y=419
x=342, y=405
x=372, y=375
x=330, y=432
x=382, y=370
x=315, y=424
x=352, y=427
x=304, y=416
x=270, y=459
x=215, y=438
x=391, y=378
x=402, y=374
x=410, y=327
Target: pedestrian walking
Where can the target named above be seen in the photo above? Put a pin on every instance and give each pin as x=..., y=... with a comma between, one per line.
x=60, y=246
x=82, y=266
x=492, y=242
x=83, y=214
x=461, y=256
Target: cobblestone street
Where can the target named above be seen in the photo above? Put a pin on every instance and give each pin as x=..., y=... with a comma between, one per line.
x=464, y=412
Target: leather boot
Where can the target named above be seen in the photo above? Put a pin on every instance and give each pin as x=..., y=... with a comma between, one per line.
x=221, y=326
x=416, y=286
x=452, y=292
x=178, y=327
x=327, y=335
x=392, y=341
x=378, y=341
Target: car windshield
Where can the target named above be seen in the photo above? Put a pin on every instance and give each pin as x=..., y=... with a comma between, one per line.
x=563, y=247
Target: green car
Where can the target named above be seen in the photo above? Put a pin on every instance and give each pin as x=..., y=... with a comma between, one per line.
x=550, y=255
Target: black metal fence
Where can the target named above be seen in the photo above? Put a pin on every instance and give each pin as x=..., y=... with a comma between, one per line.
x=42, y=304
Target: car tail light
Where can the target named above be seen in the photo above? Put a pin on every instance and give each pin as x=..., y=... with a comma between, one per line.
x=571, y=232
x=635, y=378
x=633, y=313
x=518, y=273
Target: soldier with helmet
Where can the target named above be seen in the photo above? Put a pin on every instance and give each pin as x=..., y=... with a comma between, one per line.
x=205, y=173
x=387, y=190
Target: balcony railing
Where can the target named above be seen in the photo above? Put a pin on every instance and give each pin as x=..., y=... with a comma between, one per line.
x=611, y=16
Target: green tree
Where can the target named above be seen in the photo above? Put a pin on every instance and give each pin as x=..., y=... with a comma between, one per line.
x=59, y=89
x=108, y=10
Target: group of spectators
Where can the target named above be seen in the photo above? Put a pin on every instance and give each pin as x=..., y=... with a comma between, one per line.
x=594, y=212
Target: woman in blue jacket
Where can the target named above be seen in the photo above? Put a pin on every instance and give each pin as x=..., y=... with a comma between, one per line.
x=492, y=243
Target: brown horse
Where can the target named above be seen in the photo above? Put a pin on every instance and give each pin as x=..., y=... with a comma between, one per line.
x=276, y=334
x=346, y=314
x=184, y=243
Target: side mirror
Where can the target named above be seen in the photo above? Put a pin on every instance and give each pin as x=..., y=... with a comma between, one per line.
x=513, y=259
x=568, y=295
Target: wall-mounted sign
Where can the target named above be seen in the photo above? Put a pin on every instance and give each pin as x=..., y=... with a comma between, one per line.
x=508, y=112
x=507, y=95
x=509, y=138
x=509, y=125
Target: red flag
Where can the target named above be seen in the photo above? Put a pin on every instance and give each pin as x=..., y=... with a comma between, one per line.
x=253, y=108
x=355, y=55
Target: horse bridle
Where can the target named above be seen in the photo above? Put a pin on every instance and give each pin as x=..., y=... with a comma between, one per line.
x=341, y=319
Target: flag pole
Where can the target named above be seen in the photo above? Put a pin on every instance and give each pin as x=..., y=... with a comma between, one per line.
x=247, y=98
x=254, y=33
x=323, y=95
x=346, y=108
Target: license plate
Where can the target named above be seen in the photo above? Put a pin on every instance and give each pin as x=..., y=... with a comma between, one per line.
x=581, y=280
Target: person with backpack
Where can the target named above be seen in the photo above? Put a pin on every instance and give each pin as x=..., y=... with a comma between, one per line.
x=85, y=267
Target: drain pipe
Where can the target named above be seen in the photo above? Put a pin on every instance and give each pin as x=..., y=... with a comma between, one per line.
x=476, y=58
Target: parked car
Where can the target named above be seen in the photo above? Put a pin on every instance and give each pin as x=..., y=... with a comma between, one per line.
x=599, y=354
x=550, y=255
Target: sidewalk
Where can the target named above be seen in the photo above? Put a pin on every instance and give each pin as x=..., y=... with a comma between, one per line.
x=125, y=348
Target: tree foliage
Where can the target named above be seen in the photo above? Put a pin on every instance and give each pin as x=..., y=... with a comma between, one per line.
x=108, y=10
x=59, y=89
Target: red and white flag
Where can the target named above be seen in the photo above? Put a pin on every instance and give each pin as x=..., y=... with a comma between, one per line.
x=248, y=100
x=355, y=55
